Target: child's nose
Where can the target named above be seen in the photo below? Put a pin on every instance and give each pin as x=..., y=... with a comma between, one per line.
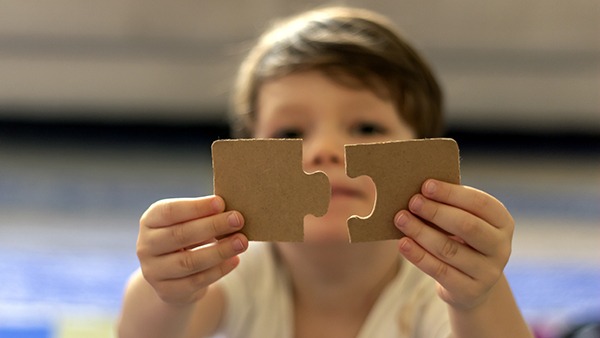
x=323, y=158
x=324, y=151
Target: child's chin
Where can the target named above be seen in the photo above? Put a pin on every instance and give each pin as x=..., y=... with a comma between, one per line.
x=326, y=240
x=326, y=230
x=326, y=236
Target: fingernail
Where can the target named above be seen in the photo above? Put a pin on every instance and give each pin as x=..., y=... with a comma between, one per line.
x=430, y=187
x=217, y=204
x=416, y=203
x=238, y=246
x=405, y=246
x=401, y=220
x=234, y=220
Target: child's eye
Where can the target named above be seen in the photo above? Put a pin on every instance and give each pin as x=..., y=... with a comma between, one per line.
x=289, y=133
x=368, y=128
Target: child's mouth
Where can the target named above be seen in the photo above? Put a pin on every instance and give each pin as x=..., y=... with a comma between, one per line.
x=346, y=192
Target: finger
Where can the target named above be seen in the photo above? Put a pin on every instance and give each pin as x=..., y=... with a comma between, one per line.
x=476, y=232
x=456, y=288
x=190, y=262
x=190, y=288
x=469, y=199
x=445, y=274
x=190, y=234
x=443, y=247
x=177, y=210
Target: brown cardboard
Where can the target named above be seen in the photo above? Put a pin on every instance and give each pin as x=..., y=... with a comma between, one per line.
x=398, y=170
x=264, y=180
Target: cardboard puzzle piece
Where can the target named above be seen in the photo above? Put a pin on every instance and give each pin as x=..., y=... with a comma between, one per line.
x=264, y=180
x=398, y=170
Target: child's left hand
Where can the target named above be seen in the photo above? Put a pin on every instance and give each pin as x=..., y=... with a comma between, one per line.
x=469, y=259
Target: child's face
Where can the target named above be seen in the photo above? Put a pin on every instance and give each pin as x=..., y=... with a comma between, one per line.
x=327, y=116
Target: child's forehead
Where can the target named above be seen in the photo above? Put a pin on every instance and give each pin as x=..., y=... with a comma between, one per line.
x=300, y=89
x=315, y=80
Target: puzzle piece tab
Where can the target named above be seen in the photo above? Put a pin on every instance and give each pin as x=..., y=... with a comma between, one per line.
x=398, y=170
x=264, y=180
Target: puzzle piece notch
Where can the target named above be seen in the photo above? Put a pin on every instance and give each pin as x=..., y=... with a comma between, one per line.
x=398, y=170
x=264, y=180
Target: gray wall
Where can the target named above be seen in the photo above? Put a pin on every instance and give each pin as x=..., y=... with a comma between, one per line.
x=520, y=64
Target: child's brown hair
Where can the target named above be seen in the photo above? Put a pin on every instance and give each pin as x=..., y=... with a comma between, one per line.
x=353, y=47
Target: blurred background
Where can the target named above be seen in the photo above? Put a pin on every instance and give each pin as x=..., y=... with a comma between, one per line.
x=108, y=106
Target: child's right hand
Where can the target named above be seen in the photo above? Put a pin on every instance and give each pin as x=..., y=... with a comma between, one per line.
x=172, y=246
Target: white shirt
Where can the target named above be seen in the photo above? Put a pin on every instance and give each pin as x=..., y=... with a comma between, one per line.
x=259, y=304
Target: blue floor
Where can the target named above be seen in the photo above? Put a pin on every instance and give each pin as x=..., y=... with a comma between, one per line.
x=39, y=287
x=68, y=224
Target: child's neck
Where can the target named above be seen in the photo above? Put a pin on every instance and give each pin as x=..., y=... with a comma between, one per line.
x=339, y=275
x=336, y=286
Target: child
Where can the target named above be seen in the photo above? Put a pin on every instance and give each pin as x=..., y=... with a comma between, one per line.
x=331, y=76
